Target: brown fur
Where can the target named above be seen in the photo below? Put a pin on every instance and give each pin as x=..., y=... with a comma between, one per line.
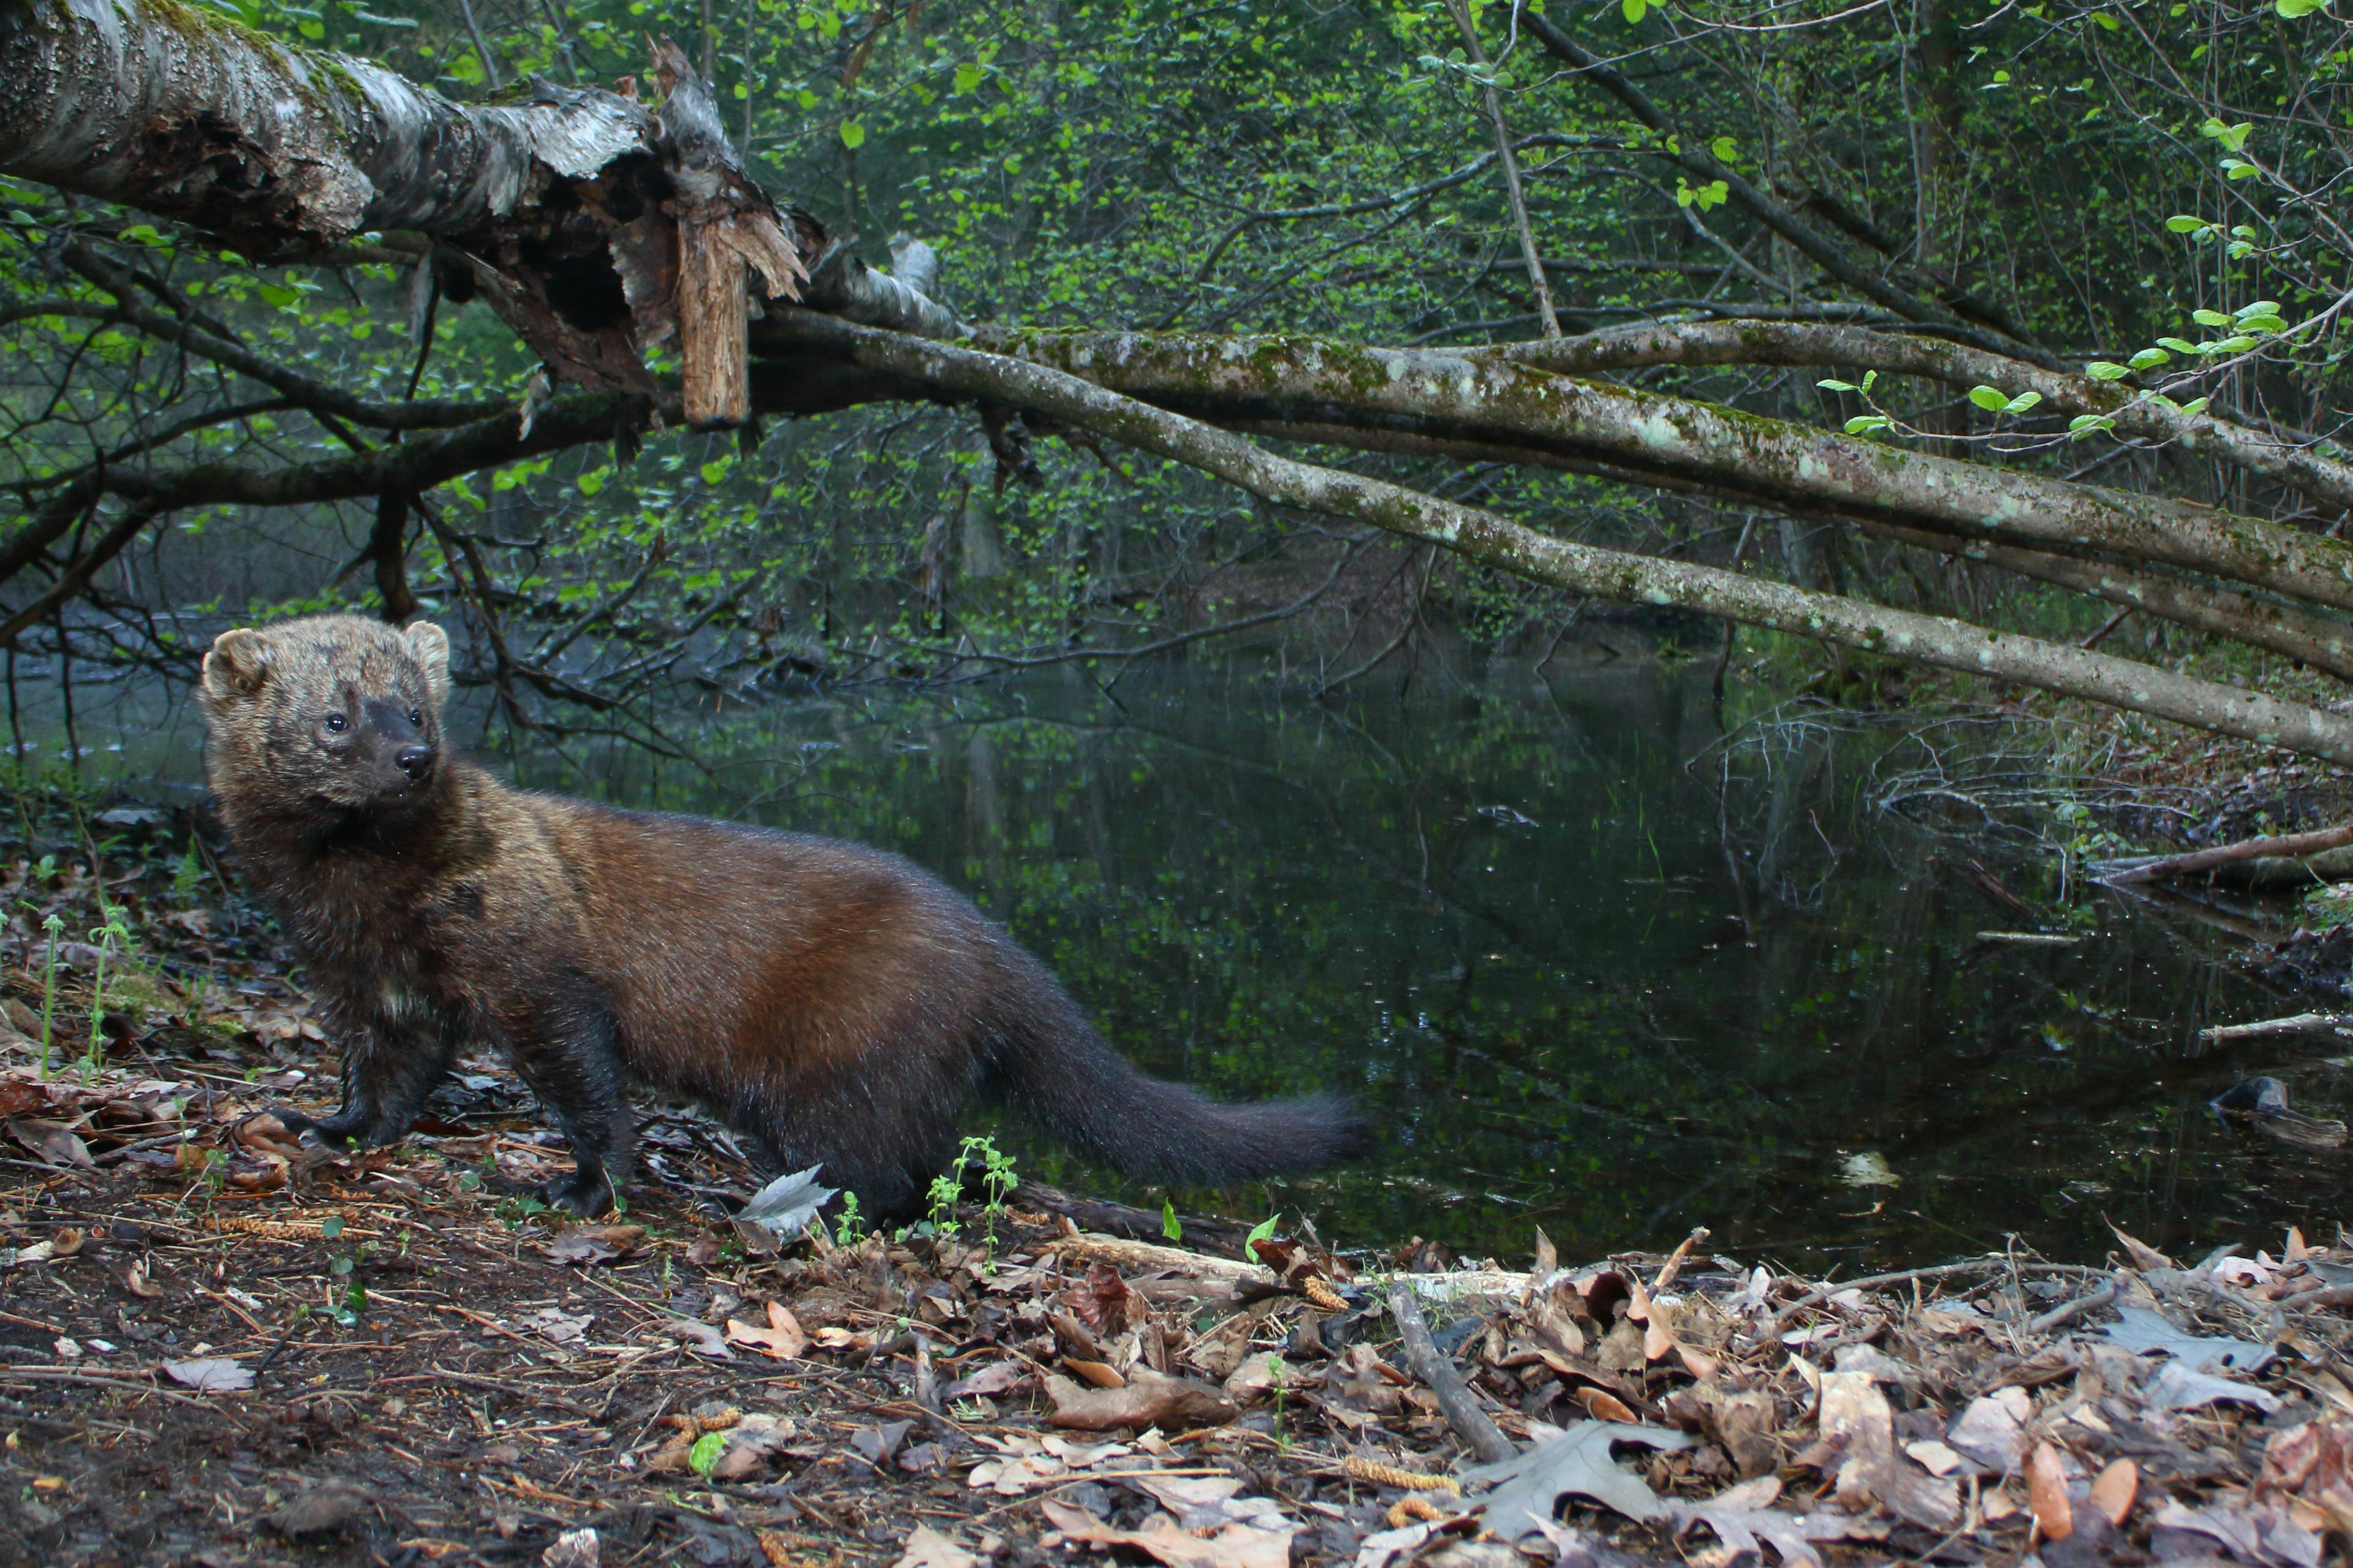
x=835, y=1004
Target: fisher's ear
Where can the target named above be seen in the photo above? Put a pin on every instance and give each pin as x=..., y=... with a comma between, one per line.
x=238, y=662
x=428, y=645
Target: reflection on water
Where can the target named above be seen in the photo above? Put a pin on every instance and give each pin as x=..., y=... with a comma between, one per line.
x=1578, y=985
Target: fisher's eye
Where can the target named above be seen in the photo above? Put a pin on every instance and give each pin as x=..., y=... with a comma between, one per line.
x=337, y=723
x=417, y=717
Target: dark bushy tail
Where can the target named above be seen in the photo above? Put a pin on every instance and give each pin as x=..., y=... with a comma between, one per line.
x=1050, y=1062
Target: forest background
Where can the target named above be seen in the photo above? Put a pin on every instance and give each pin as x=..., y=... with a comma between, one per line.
x=2093, y=248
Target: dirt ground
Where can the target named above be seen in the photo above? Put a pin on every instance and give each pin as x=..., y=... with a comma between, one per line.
x=220, y=1347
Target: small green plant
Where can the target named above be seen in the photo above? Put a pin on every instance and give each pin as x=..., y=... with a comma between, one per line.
x=944, y=1191
x=1263, y=1230
x=105, y=937
x=1170, y=1225
x=188, y=873
x=997, y=1180
x=514, y=1211
x=849, y=1227
x=56, y=926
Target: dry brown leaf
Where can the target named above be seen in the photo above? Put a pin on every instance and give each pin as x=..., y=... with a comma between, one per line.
x=1235, y=1546
x=2113, y=1491
x=1104, y=1303
x=1855, y=1414
x=781, y=1338
x=2046, y=1493
x=1604, y=1405
x=1149, y=1399
x=1101, y=1373
x=927, y=1548
x=2143, y=1255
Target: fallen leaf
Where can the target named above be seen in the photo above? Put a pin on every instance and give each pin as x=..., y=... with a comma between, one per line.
x=1150, y=1399
x=999, y=1377
x=1992, y=1429
x=1741, y=1516
x=330, y=1505
x=1235, y=1546
x=1526, y=1489
x=2144, y=1331
x=2113, y=1490
x=700, y=1337
x=558, y=1328
x=1104, y=1303
x=593, y=1243
x=2046, y=1494
x=927, y=1548
x=2175, y=1387
x=879, y=1443
x=1855, y=1415
x=1603, y=1405
x=781, y=1338
x=54, y=1141
x=1101, y=1374
x=211, y=1374
x=788, y=1206
x=572, y=1549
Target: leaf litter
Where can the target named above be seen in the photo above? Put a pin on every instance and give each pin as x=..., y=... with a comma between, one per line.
x=219, y=1345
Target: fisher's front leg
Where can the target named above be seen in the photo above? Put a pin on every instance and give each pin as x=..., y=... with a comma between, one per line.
x=563, y=1043
x=389, y=1070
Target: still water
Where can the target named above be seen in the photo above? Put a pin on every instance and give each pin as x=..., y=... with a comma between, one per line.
x=1588, y=966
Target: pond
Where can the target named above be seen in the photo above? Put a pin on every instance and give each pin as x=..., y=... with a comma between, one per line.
x=1587, y=966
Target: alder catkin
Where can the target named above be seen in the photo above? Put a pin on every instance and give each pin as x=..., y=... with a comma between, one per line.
x=1390, y=1476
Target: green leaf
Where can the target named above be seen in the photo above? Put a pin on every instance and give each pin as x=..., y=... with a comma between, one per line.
x=1834, y=385
x=1725, y=148
x=703, y=1458
x=1633, y=10
x=853, y=134
x=2184, y=222
x=967, y=77
x=2083, y=424
x=1864, y=424
x=1264, y=1228
x=2263, y=325
x=1170, y=1225
x=716, y=470
x=272, y=294
x=2022, y=403
x=2238, y=344
x=592, y=480
x=2107, y=370
x=2210, y=317
x=2149, y=359
x=332, y=1226
x=2292, y=9
x=2237, y=169
x=2179, y=345
x=1992, y=399
x=2195, y=407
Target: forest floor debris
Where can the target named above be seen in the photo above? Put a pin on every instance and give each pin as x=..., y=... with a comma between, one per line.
x=219, y=1346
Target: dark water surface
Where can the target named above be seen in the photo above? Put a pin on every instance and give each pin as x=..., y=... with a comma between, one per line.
x=1579, y=979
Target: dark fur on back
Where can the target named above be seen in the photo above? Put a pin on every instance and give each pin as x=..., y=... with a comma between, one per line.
x=835, y=1004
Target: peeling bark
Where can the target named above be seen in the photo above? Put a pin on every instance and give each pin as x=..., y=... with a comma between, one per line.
x=594, y=224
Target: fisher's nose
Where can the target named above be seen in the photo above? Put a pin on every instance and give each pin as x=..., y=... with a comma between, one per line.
x=415, y=762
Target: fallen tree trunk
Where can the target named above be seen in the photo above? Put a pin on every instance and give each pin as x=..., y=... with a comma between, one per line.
x=2284, y=847
x=563, y=208
x=1480, y=399
x=1484, y=537
x=2320, y=471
